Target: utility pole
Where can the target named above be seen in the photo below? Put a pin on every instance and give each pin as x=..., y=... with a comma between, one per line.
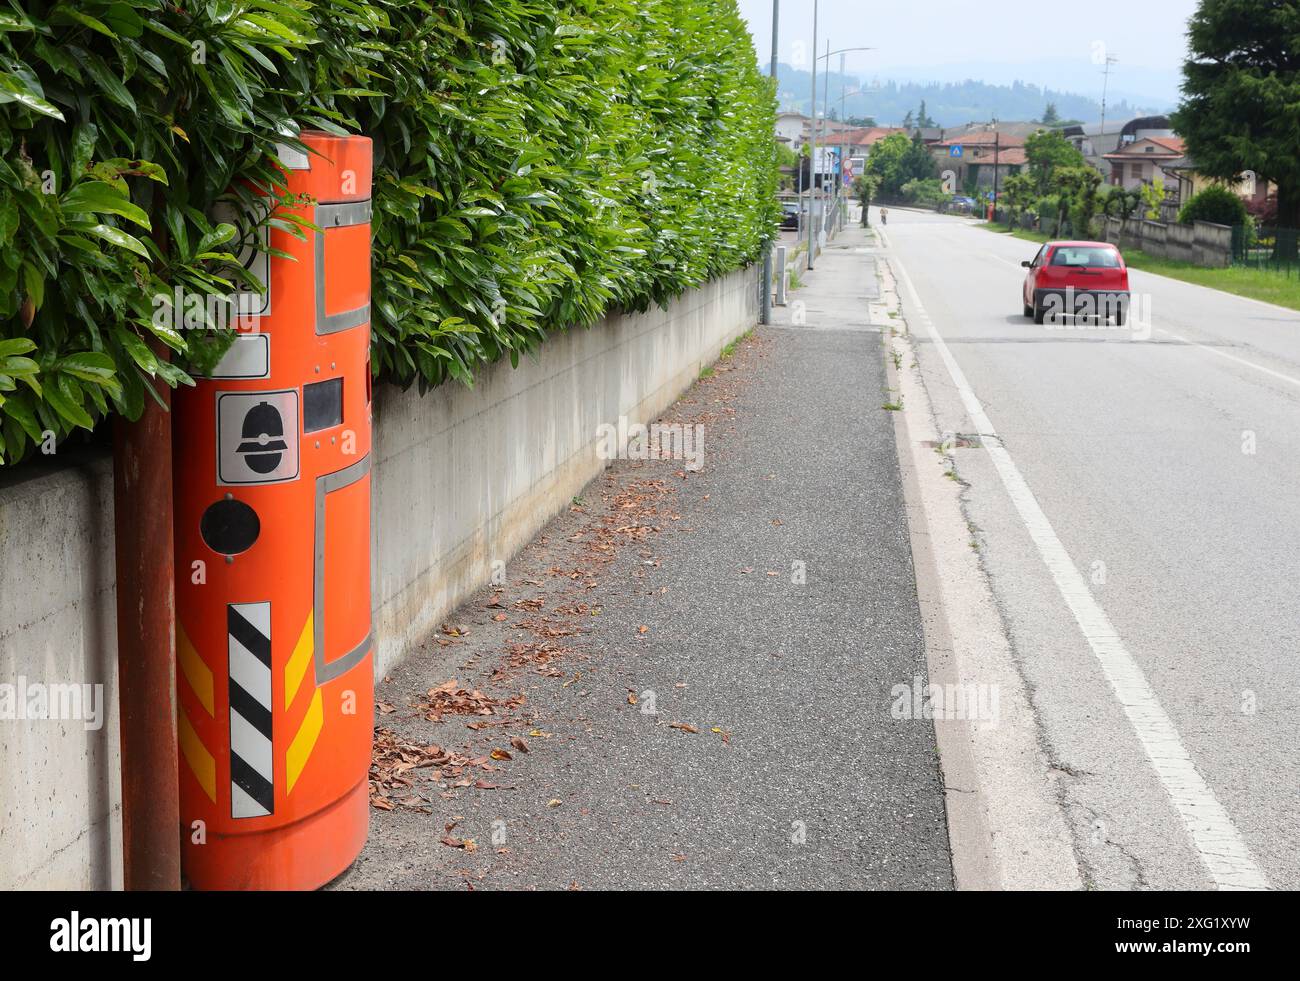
x=826, y=132
x=812, y=132
x=997, y=169
x=767, y=252
x=1105, y=87
x=843, y=147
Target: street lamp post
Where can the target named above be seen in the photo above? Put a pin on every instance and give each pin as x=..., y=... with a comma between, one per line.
x=812, y=169
x=812, y=132
x=843, y=146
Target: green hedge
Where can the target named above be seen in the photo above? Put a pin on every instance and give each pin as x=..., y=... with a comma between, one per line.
x=537, y=164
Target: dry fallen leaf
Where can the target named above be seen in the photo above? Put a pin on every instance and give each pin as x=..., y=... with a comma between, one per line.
x=631, y=698
x=519, y=744
x=642, y=629
x=554, y=802
x=500, y=754
x=684, y=726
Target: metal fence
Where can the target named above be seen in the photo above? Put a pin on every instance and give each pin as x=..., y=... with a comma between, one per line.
x=1275, y=249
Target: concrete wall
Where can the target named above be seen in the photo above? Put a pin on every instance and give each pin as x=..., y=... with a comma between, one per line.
x=60, y=800
x=1201, y=243
x=462, y=478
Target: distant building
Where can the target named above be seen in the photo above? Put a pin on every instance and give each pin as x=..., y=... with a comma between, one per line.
x=976, y=153
x=1012, y=132
x=796, y=129
x=1142, y=161
x=1094, y=144
x=790, y=128
x=1143, y=128
x=859, y=142
x=1183, y=182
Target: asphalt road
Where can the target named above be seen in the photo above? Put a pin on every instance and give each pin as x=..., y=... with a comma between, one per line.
x=1164, y=460
x=719, y=714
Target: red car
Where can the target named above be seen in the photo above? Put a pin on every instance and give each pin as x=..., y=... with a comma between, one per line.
x=1079, y=279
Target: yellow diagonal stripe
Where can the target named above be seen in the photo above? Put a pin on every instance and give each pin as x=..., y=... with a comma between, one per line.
x=303, y=743
x=197, y=756
x=192, y=667
x=296, y=668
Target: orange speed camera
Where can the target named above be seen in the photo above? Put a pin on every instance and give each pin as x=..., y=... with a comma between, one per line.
x=272, y=485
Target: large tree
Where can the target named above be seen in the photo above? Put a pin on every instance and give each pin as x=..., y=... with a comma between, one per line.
x=1049, y=152
x=1241, y=95
x=896, y=160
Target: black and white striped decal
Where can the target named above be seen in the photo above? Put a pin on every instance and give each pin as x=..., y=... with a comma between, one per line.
x=248, y=635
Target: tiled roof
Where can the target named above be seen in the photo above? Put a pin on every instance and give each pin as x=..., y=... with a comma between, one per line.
x=865, y=137
x=982, y=137
x=1167, y=147
x=1175, y=143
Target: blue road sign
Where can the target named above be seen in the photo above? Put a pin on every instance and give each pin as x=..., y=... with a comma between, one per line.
x=954, y=151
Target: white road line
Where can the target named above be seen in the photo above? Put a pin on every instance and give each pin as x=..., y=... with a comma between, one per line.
x=1212, y=832
x=1231, y=357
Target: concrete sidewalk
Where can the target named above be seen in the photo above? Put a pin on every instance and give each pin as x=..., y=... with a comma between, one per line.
x=690, y=672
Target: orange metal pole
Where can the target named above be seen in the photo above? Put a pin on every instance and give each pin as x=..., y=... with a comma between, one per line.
x=146, y=659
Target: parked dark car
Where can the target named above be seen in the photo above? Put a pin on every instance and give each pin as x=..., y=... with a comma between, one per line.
x=789, y=214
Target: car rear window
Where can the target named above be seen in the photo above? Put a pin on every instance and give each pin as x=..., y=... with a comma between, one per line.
x=1073, y=255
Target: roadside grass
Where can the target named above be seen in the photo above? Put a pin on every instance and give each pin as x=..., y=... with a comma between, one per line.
x=1255, y=284
x=730, y=349
x=725, y=353
x=1020, y=233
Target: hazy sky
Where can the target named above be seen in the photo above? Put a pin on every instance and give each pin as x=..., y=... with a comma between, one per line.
x=1045, y=42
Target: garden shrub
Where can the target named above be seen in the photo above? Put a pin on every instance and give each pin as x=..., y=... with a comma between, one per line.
x=1214, y=204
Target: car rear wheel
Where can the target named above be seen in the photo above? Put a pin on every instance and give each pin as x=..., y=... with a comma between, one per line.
x=1038, y=312
x=1029, y=311
x=1121, y=315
